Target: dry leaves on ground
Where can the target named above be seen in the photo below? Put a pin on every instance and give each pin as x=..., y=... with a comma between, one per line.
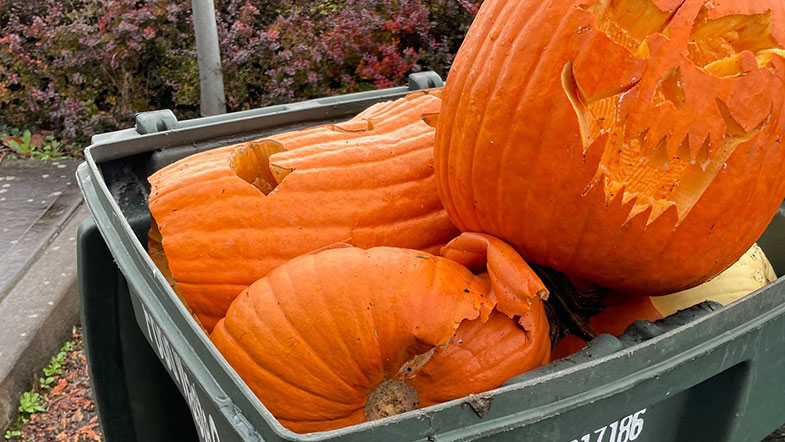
x=70, y=413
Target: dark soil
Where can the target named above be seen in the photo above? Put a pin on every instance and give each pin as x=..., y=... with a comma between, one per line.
x=70, y=413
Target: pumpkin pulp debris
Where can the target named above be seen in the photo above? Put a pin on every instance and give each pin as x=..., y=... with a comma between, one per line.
x=345, y=335
x=229, y=216
x=645, y=154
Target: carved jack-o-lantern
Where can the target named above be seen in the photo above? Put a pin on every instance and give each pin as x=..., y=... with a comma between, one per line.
x=635, y=143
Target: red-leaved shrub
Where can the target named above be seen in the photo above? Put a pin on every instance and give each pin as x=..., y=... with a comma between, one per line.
x=85, y=66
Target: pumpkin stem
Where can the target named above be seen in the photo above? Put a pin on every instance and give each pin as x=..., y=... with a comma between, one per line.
x=251, y=162
x=568, y=307
x=390, y=398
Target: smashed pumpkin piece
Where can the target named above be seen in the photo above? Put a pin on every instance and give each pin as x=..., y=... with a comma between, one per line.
x=346, y=335
x=231, y=215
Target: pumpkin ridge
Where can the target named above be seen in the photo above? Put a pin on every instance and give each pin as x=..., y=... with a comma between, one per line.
x=212, y=157
x=404, y=138
x=546, y=213
x=525, y=96
x=374, y=109
x=400, y=182
x=507, y=147
x=718, y=242
x=486, y=50
x=330, y=314
x=375, y=163
x=404, y=105
x=433, y=214
x=227, y=335
x=442, y=159
x=283, y=276
x=283, y=228
x=185, y=191
x=489, y=50
x=345, y=345
x=163, y=183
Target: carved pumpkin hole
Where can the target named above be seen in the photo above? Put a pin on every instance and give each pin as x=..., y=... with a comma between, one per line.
x=251, y=162
x=716, y=45
x=596, y=114
x=648, y=171
x=431, y=119
x=732, y=127
x=353, y=126
x=629, y=22
x=670, y=89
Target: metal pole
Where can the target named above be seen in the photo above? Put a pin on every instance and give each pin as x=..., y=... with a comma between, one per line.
x=211, y=82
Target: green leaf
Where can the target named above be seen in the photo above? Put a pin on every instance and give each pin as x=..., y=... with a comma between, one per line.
x=30, y=402
x=14, y=145
x=46, y=382
x=27, y=136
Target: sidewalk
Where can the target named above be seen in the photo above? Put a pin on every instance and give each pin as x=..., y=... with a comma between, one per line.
x=40, y=211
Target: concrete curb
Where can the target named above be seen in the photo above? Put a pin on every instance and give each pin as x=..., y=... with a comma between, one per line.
x=38, y=314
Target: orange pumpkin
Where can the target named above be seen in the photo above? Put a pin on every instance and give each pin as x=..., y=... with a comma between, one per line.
x=345, y=335
x=634, y=143
x=229, y=216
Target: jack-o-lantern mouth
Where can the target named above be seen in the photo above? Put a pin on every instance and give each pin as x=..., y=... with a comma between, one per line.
x=640, y=169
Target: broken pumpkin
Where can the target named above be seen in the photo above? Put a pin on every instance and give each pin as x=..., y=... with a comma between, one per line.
x=347, y=335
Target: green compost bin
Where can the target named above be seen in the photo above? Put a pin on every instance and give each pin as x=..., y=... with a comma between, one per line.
x=707, y=374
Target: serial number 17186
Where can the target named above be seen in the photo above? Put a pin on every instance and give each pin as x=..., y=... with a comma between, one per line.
x=624, y=430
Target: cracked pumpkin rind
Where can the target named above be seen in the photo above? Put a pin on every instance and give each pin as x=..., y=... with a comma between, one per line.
x=634, y=143
x=229, y=216
x=318, y=335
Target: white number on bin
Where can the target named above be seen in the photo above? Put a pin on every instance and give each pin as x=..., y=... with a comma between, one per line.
x=625, y=430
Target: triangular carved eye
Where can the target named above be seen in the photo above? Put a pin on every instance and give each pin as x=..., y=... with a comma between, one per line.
x=629, y=22
x=669, y=88
x=716, y=45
